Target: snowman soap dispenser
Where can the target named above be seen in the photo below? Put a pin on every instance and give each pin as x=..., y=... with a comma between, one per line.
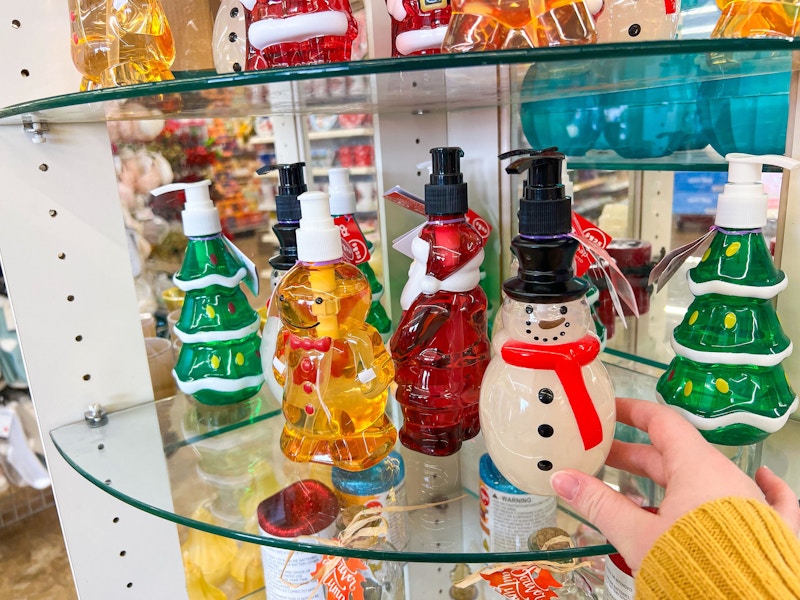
x=547, y=402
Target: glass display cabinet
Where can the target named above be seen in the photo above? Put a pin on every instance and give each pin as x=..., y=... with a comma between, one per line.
x=125, y=468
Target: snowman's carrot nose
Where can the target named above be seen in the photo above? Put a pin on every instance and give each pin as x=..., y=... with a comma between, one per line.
x=551, y=324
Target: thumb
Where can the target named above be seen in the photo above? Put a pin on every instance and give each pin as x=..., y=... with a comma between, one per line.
x=780, y=497
x=617, y=517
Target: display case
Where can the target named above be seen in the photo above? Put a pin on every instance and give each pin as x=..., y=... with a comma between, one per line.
x=119, y=481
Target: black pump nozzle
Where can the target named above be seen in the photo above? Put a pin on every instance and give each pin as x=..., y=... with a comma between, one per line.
x=291, y=183
x=544, y=208
x=446, y=194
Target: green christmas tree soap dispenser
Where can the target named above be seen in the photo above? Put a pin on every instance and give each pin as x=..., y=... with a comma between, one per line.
x=219, y=361
x=727, y=378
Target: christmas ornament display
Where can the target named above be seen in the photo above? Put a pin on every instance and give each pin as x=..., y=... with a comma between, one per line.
x=477, y=25
x=356, y=245
x=727, y=378
x=298, y=32
x=441, y=347
x=546, y=401
x=120, y=43
x=219, y=360
x=335, y=369
x=418, y=28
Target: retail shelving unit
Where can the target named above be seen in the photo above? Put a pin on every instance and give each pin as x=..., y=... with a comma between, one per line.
x=65, y=258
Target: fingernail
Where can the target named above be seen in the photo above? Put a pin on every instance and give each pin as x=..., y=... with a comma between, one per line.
x=565, y=485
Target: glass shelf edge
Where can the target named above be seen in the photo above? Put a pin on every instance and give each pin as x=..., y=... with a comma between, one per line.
x=396, y=556
x=197, y=80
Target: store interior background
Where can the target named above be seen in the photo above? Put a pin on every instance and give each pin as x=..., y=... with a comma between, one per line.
x=228, y=152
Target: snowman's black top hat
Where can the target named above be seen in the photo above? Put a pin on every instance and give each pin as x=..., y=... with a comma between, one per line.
x=544, y=248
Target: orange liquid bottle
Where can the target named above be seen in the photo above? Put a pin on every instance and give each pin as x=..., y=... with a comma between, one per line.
x=757, y=18
x=502, y=24
x=337, y=370
x=118, y=42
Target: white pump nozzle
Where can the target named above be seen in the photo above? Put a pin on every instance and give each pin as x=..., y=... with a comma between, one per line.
x=200, y=216
x=428, y=164
x=743, y=202
x=342, y=196
x=318, y=238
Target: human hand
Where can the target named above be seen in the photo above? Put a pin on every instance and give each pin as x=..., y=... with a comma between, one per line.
x=690, y=469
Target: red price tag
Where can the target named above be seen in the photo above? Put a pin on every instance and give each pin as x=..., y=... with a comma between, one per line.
x=523, y=584
x=344, y=579
x=354, y=245
x=586, y=229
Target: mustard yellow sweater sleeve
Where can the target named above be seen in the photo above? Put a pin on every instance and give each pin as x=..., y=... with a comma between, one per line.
x=726, y=549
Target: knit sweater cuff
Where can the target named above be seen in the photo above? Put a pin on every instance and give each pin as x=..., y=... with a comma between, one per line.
x=728, y=548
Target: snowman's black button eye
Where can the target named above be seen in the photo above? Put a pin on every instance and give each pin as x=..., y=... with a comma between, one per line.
x=545, y=395
x=529, y=309
x=280, y=298
x=634, y=30
x=527, y=331
x=318, y=300
x=563, y=310
x=544, y=465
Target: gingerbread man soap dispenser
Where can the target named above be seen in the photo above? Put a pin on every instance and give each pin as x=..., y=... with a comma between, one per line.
x=337, y=371
x=547, y=402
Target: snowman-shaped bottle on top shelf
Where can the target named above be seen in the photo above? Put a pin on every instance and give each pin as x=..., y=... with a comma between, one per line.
x=637, y=20
x=441, y=346
x=547, y=402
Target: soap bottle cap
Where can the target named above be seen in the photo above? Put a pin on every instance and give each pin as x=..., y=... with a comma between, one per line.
x=291, y=183
x=544, y=209
x=743, y=202
x=200, y=216
x=318, y=237
x=343, y=198
x=446, y=194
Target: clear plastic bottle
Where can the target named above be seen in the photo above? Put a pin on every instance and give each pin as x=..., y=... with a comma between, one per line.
x=757, y=19
x=477, y=25
x=441, y=346
x=119, y=43
x=336, y=373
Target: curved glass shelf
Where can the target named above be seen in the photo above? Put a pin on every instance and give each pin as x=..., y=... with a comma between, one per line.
x=444, y=82
x=223, y=461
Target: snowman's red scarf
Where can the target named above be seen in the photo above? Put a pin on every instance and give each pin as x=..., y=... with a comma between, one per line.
x=566, y=360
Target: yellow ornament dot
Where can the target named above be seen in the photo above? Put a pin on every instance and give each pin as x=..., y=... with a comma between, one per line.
x=687, y=388
x=215, y=362
x=693, y=318
x=722, y=386
x=730, y=320
x=733, y=248
x=239, y=359
x=706, y=254
x=210, y=312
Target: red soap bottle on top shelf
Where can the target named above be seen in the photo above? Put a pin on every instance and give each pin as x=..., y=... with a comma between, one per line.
x=418, y=26
x=288, y=34
x=441, y=345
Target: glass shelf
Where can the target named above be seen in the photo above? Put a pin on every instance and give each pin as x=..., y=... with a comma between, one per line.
x=226, y=459
x=412, y=84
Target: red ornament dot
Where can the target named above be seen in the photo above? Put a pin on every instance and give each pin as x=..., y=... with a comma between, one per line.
x=72, y=16
x=74, y=38
x=308, y=388
x=309, y=409
x=231, y=307
x=213, y=259
x=306, y=365
x=671, y=375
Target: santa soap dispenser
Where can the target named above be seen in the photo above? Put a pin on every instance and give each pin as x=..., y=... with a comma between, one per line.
x=335, y=370
x=441, y=346
x=219, y=360
x=727, y=378
x=547, y=402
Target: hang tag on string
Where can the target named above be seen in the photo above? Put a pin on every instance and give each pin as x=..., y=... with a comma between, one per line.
x=618, y=287
x=251, y=280
x=586, y=229
x=672, y=261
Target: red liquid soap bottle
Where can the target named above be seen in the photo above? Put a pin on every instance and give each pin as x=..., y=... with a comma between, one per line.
x=298, y=32
x=441, y=346
x=418, y=26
